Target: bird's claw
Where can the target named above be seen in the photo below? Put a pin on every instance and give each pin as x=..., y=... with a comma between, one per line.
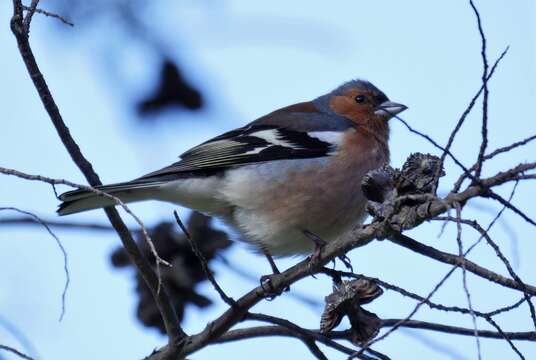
x=346, y=261
x=270, y=292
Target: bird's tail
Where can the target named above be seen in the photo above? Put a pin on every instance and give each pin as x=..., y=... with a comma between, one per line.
x=82, y=200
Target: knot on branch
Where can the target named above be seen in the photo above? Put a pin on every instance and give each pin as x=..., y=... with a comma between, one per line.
x=394, y=194
x=346, y=300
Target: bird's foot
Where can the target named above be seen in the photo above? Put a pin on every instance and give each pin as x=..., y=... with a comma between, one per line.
x=266, y=280
x=315, y=256
x=346, y=261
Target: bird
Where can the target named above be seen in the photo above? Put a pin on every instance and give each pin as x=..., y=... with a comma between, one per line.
x=287, y=183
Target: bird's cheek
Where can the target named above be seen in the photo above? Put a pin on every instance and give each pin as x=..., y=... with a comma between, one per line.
x=347, y=108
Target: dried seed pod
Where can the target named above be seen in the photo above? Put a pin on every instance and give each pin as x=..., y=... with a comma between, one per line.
x=346, y=300
x=419, y=175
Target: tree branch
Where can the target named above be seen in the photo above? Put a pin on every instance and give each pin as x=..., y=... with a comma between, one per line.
x=20, y=31
x=16, y=352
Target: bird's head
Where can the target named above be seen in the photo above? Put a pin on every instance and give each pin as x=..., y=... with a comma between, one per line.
x=362, y=103
x=359, y=99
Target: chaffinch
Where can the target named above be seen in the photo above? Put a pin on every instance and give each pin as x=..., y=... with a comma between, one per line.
x=287, y=177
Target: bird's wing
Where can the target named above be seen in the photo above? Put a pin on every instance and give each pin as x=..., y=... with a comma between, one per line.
x=248, y=145
x=295, y=132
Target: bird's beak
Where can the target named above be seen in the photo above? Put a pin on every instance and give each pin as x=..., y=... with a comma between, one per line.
x=388, y=109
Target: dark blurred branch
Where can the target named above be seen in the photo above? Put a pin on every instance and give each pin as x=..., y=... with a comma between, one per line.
x=17, y=333
x=21, y=33
x=16, y=221
x=15, y=351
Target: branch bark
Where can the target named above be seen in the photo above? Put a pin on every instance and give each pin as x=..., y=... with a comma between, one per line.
x=21, y=32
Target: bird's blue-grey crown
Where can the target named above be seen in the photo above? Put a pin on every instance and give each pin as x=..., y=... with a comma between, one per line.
x=322, y=102
x=358, y=84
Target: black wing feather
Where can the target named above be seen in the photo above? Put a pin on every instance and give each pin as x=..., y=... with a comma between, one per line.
x=248, y=145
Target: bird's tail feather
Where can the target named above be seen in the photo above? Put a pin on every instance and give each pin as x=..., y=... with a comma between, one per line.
x=82, y=200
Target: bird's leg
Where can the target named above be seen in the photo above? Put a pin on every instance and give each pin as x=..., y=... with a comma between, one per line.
x=271, y=261
x=266, y=280
x=319, y=245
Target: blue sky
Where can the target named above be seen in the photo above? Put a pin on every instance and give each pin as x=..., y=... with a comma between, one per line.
x=250, y=58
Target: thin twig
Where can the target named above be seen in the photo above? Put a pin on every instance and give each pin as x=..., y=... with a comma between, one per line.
x=451, y=259
x=491, y=155
x=475, y=225
x=506, y=337
x=311, y=334
x=62, y=249
x=416, y=324
x=17, y=333
x=435, y=144
x=67, y=225
x=509, y=205
x=484, y=143
x=464, y=277
x=16, y=352
x=116, y=200
x=279, y=330
x=204, y=264
x=297, y=296
x=457, y=261
x=49, y=14
x=29, y=14
x=469, y=107
x=507, y=308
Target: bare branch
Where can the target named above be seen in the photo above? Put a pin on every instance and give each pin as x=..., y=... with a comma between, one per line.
x=469, y=107
x=415, y=324
x=312, y=334
x=153, y=282
x=511, y=206
x=48, y=14
x=484, y=142
x=204, y=263
x=464, y=277
x=491, y=155
x=263, y=331
x=447, y=258
x=28, y=18
x=15, y=351
x=475, y=225
x=16, y=221
x=17, y=333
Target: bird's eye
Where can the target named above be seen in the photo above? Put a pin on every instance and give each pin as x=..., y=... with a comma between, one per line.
x=359, y=99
